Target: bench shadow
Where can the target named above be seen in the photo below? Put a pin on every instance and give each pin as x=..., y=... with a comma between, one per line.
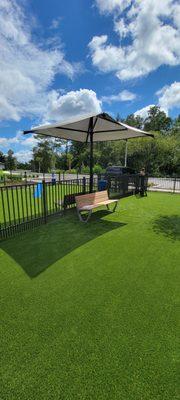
x=36, y=250
x=169, y=226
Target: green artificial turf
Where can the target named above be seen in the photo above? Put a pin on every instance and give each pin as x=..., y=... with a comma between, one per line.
x=89, y=311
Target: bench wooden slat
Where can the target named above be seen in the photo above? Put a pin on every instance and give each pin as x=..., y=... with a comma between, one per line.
x=91, y=206
x=91, y=198
x=87, y=202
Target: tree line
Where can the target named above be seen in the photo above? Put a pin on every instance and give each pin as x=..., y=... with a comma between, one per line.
x=159, y=156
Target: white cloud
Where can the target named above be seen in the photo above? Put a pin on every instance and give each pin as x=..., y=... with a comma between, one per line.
x=169, y=96
x=153, y=30
x=20, y=144
x=143, y=112
x=3, y=142
x=108, y=6
x=176, y=15
x=72, y=104
x=27, y=69
x=55, y=23
x=23, y=156
x=106, y=57
x=19, y=139
x=59, y=107
x=125, y=95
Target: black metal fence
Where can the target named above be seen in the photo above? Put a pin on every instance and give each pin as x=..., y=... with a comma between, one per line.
x=24, y=206
x=168, y=184
x=127, y=185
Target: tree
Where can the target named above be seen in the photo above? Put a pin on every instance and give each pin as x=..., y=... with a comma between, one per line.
x=46, y=153
x=69, y=160
x=157, y=120
x=42, y=154
x=10, y=160
x=118, y=118
x=24, y=165
x=2, y=157
x=61, y=161
x=135, y=121
x=80, y=154
x=160, y=157
x=38, y=159
x=176, y=127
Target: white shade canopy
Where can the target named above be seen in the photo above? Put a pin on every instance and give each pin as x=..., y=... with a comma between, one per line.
x=103, y=127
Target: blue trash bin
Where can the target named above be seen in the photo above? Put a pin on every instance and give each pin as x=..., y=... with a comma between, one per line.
x=102, y=185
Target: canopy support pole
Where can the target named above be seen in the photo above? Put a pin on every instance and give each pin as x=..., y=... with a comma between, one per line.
x=91, y=155
x=126, y=153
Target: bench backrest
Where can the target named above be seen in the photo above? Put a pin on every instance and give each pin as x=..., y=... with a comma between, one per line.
x=91, y=198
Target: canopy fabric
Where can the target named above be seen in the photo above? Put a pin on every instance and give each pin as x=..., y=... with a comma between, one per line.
x=103, y=127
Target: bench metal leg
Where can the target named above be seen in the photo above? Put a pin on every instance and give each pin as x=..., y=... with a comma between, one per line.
x=114, y=208
x=86, y=218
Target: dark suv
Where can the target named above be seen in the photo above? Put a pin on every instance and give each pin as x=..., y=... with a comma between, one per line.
x=119, y=170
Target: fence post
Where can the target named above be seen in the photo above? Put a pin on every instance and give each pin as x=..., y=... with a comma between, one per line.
x=174, y=186
x=59, y=176
x=84, y=184
x=44, y=201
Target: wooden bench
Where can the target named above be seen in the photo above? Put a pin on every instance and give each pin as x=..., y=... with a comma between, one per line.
x=87, y=202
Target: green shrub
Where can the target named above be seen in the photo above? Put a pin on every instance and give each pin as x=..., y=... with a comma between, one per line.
x=98, y=169
x=71, y=171
x=15, y=178
x=1, y=175
x=85, y=170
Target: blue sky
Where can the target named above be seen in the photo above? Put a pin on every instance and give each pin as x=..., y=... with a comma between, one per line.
x=74, y=57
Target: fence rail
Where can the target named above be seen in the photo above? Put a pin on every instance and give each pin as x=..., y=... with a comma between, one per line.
x=24, y=206
x=164, y=184
x=126, y=185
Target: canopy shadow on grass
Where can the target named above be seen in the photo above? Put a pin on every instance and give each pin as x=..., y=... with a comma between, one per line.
x=36, y=250
x=168, y=225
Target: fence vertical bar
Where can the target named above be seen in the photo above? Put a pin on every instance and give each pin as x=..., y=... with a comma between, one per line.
x=8, y=206
x=30, y=201
x=13, y=206
x=26, y=202
x=22, y=205
x=84, y=184
x=44, y=201
x=3, y=207
x=53, y=195
x=17, y=201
